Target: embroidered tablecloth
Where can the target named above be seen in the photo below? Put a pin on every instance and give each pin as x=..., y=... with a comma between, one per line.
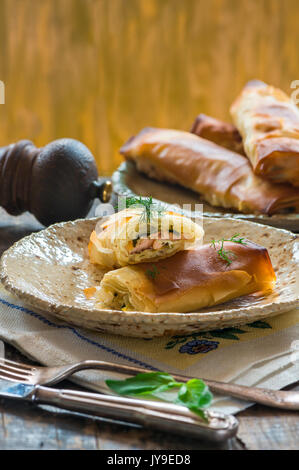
x=263, y=353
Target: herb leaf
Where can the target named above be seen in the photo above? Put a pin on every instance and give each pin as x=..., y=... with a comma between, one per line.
x=224, y=254
x=143, y=384
x=194, y=394
x=152, y=274
x=147, y=203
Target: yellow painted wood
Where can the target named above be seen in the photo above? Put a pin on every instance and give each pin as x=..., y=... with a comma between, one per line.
x=100, y=70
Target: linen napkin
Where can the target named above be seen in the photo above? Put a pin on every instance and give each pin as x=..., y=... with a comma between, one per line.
x=263, y=353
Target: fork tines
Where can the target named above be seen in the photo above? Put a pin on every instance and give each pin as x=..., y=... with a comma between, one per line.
x=10, y=370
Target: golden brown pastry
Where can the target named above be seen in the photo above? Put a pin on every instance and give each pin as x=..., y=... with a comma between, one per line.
x=189, y=280
x=268, y=122
x=222, y=177
x=221, y=133
x=131, y=236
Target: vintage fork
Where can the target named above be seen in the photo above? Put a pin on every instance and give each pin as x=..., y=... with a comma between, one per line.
x=34, y=375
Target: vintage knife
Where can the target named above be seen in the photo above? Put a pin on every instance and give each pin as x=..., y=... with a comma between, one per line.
x=153, y=414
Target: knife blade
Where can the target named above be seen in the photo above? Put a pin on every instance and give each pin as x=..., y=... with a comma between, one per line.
x=156, y=415
x=11, y=389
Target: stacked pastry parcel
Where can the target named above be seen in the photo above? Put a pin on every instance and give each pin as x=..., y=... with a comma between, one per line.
x=166, y=268
x=252, y=167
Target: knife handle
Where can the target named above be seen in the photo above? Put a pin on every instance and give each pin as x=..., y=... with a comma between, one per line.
x=156, y=415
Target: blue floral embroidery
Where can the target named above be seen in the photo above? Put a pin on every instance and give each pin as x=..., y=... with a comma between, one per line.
x=198, y=346
x=194, y=345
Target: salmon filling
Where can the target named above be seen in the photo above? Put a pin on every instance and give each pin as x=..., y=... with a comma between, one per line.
x=156, y=243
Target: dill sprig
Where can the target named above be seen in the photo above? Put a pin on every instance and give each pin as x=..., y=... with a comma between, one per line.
x=152, y=274
x=149, y=206
x=224, y=254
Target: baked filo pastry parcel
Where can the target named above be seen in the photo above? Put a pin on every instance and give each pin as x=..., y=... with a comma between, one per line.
x=222, y=177
x=189, y=280
x=268, y=121
x=130, y=237
x=221, y=133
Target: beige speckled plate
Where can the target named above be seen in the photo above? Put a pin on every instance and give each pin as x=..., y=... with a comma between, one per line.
x=50, y=269
x=127, y=181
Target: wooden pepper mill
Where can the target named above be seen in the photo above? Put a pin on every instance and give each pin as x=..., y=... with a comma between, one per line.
x=55, y=183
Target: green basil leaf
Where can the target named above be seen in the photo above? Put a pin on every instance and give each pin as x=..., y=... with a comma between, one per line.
x=144, y=383
x=195, y=393
x=198, y=412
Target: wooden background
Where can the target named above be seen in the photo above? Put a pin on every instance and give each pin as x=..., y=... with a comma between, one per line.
x=100, y=70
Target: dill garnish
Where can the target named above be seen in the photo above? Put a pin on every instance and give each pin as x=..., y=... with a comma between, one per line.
x=152, y=274
x=149, y=206
x=224, y=254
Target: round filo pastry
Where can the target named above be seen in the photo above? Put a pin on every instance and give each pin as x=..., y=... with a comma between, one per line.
x=133, y=236
x=188, y=281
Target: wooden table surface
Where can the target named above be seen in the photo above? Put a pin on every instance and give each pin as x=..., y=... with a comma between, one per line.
x=25, y=426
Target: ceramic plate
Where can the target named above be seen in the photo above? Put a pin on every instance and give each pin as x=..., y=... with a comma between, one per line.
x=49, y=270
x=127, y=181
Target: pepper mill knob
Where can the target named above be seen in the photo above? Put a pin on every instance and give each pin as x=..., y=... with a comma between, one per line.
x=55, y=183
